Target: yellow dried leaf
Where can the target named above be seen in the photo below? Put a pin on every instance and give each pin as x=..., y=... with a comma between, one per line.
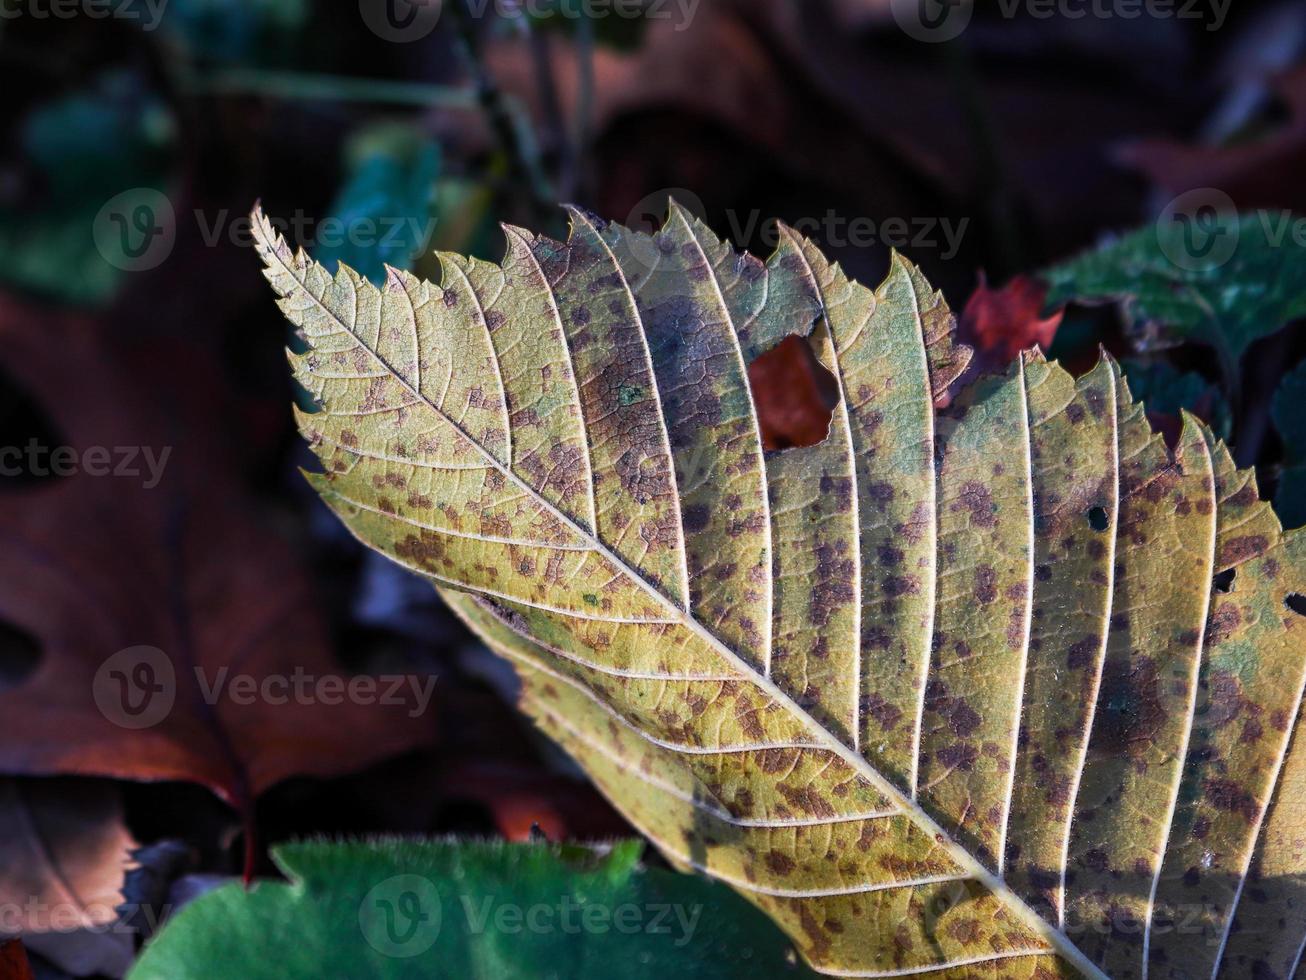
x=947, y=693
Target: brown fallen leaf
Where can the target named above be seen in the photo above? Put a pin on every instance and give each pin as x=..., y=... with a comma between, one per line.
x=1260, y=173
x=172, y=620
x=520, y=797
x=793, y=394
x=64, y=853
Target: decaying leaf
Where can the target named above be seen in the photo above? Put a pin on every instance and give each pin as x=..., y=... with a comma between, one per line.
x=943, y=692
x=1262, y=171
x=150, y=543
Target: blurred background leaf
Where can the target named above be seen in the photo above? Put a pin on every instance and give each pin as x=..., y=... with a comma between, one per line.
x=75, y=152
x=386, y=210
x=1290, y=419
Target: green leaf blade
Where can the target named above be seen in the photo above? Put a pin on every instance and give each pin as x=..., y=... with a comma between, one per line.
x=480, y=910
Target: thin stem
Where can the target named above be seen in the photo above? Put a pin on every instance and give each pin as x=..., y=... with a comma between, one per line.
x=583, y=122
x=514, y=134
x=338, y=88
x=997, y=192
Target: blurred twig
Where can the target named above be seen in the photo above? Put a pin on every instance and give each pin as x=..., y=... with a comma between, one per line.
x=553, y=138
x=297, y=85
x=523, y=154
x=996, y=192
x=510, y=115
x=584, y=101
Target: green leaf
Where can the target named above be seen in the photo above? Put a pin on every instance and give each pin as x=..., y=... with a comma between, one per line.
x=1167, y=300
x=945, y=690
x=1166, y=390
x=397, y=909
x=247, y=32
x=81, y=150
x=1289, y=413
x=384, y=214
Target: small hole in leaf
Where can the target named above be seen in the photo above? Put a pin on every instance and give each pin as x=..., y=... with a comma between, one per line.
x=794, y=394
x=20, y=652
x=1296, y=602
x=1097, y=519
x=1223, y=581
x=296, y=342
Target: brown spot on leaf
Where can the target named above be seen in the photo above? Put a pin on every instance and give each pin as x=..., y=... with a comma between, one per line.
x=976, y=498
x=1130, y=711
x=1238, y=550
x=960, y=756
x=1225, y=794
x=886, y=714
x=1224, y=621
x=779, y=863
x=1082, y=654
x=964, y=720
x=696, y=518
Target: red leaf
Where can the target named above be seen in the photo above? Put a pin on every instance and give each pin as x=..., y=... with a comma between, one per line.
x=1002, y=322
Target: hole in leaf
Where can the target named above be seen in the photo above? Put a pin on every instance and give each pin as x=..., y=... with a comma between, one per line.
x=296, y=342
x=1097, y=519
x=1223, y=581
x=1296, y=602
x=794, y=394
x=27, y=437
x=20, y=652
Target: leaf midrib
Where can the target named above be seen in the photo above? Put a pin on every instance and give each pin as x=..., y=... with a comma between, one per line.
x=994, y=883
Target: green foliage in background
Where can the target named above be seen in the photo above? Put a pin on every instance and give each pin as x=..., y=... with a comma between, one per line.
x=385, y=910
